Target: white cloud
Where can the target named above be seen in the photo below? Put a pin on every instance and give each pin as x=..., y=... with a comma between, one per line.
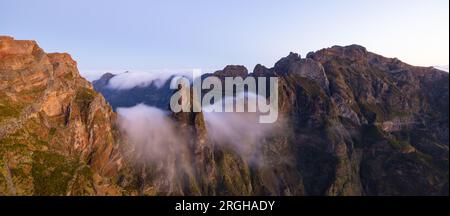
x=135, y=78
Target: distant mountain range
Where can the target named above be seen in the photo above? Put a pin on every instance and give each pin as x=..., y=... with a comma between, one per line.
x=151, y=94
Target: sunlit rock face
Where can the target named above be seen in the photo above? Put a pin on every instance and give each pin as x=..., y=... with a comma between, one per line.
x=56, y=132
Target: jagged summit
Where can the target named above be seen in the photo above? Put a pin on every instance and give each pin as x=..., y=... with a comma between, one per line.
x=232, y=71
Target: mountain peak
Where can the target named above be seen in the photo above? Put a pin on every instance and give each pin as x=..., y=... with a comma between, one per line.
x=353, y=52
x=10, y=46
x=284, y=63
x=63, y=127
x=233, y=71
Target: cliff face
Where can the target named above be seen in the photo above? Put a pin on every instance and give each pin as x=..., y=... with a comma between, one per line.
x=370, y=131
x=355, y=123
x=57, y=135
x=396, y=118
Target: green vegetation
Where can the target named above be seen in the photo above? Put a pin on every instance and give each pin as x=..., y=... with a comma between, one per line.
x=86, y=172
x=83, y=183
x=9, y=108
x=51, y=173
x=235, y=173
x=20, y=139
x=84, y=99
x=85, y=96
x=33, y=92
x=14, y=142
x=375, y=112
x=19, y=172
x=399, y=144
x=312, y=88
x=52, y=132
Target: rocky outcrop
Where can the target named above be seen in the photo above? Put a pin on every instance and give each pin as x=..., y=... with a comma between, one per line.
x=232, y=71
x=293, y=64
x=57, y=134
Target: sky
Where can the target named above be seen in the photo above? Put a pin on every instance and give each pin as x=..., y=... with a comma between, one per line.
x=111, y=35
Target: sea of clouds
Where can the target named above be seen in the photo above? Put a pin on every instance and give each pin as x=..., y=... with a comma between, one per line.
x=152, y=131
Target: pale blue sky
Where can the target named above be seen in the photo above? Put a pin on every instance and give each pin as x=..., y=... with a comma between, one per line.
x=119, y=35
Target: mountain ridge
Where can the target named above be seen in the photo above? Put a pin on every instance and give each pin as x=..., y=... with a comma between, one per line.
x=382, y=96
x=356, y=123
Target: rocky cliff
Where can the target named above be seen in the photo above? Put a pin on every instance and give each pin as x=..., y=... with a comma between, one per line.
x=57, y=134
